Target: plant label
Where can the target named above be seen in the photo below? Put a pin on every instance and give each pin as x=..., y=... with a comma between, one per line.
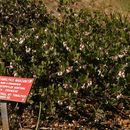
x=15, y=89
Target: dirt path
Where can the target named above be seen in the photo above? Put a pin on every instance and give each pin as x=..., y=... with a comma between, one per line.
x=106, y=6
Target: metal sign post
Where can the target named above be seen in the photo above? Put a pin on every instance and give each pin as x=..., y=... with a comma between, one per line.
x=4, y=116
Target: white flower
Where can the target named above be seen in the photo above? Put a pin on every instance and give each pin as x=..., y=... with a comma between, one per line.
x=11, y=65
x=37, y=15
x=89, y=83
x=28, y=49
x=21, y=40
x=32, y=58
x=83, y=86
x=46, y=30
x=97, y=58
x=125, y=29
x=65, y=85
x=99, y=72
x=126, y=50
x=86, y=33
x=81, y=39
x=36, y=36
x=76, y=61
x=70, y=107
x=102, y=75
x=80, y=66
x=60, y=73
x=114, y=57
x=77, y=70
x=4, y=44
x=46, y=52
x=16, y=39
x=106, y=102
x=84, y=66
x=69, y=69
x=126, y=65
x=120, y=56
x=51, y=48
x=75, y=91
x=65, y=43
x=68, y=49
x=15, y=73
x=106, y=52
x=121, y=74
x=11, y=39
x=60, y=102
x=75, y=15
x=119, y=96
x=34, y=76
x=34, y=51
x=81, y=46
x=44, y=43
x=33, y=29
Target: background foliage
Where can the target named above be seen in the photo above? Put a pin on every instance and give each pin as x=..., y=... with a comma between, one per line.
x=79, y=62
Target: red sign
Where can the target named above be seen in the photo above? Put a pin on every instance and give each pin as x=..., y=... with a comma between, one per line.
x=14, y=89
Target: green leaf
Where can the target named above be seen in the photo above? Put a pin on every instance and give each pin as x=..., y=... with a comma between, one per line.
x=11, y=51
x=100, y=111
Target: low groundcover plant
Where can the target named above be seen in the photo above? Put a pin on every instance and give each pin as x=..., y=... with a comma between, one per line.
x=79, y=62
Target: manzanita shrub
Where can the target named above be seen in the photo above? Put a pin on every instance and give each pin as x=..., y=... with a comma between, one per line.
x=79, y=62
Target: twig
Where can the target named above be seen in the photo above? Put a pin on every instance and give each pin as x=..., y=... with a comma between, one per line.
x=39, y=116
x=20, y=126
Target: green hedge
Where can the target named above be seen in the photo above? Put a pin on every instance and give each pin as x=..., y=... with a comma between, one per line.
x=78, y=62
